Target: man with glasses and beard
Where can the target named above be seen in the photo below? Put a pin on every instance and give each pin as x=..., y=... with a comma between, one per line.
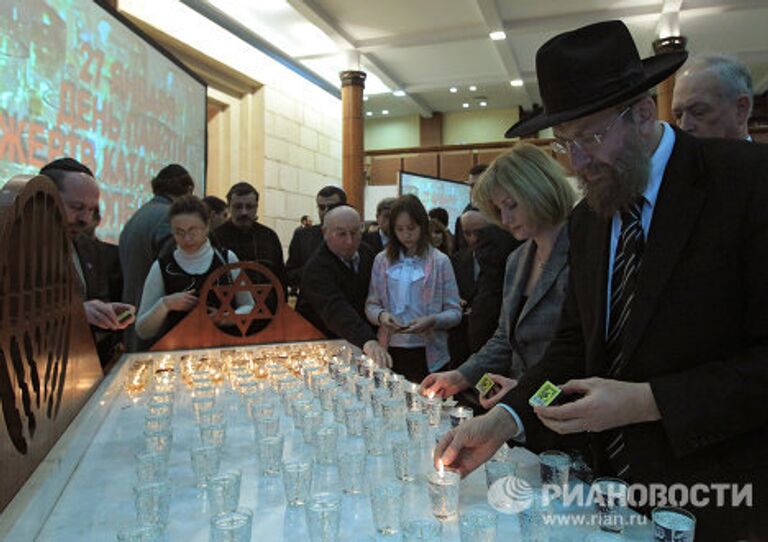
x=662, y=348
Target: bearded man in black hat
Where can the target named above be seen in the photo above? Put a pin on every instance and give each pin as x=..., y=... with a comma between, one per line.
x=662, y=349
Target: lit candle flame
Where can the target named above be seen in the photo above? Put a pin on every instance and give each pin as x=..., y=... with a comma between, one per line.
x=440, y=468
x=431, y=394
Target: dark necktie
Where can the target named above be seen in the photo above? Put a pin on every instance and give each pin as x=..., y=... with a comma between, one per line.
x=626, y=264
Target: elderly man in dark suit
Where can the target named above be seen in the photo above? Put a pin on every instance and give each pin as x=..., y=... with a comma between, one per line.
x=334, y=284
x=663, y=343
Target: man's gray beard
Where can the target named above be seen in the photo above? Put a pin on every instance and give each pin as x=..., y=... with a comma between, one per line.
x=620, y=183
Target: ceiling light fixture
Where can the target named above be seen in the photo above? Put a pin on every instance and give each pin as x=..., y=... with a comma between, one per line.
x=516, y=82
x=472, y=88
x=483, y=104
x=453, y=90
x=369, y=113
x=365, y=98
x=465, y=105
x=385, y=111
x=399, y=93
x=498, y=35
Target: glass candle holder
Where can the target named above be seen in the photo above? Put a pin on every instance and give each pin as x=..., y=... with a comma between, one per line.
x=434, y=410
x=610, y=496
x=202, y=404
x=413, y=397
x=423, y=529
x=352, y=472
x=158, y=441
x=323, y=517
x=478, y=526
x=224, y=492
x=354, y=418
x=270, y=450
x=157, y=423
x=402, y=457
x=327, y=393
x=297, y=482
x=214, y=434
x=396, y=384
x=392, y=411
x=300, y=406
x=151, y=467
x=325, y=445
x=267, y=426
x=153, y=501
x=205, y=463
x=671, y=524
x=363, y=389
x=416, y=423
x=160, y=409
x=444, y=493
x=555, y=467
x=378, y=396
x=235, y=526
x=141, y=533
x=340, y=403
x=459, y=415
x=380, y=377
x=311, y=422
x=373, y=434
x=385, y=505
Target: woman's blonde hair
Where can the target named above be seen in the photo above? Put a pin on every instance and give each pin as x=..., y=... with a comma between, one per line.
x=534, y=179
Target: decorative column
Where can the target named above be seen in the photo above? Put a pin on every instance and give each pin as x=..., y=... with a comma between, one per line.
x=352, y=167
x=665, y=89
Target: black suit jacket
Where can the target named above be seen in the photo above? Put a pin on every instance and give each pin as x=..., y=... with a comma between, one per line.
x=304, y=243
x=373, y=240
x=333, y=297
x=464, y=271
x=698, y=330
x=258, y=244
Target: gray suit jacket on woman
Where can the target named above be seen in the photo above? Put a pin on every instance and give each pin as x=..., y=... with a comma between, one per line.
x=537, y=324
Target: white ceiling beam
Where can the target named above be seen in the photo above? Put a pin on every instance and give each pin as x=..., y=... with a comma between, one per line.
x=493, y=23
x=316, y=16
x=467, y=32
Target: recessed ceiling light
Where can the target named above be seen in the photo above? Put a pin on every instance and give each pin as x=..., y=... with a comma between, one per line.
x=498, y=35
x=516, y=82
x=472, y=88
x=369, y=113
x=385, y=111
x=483, y=104
x=453, y=90
x=399, y=93
x=365, y=98
x=465, y=105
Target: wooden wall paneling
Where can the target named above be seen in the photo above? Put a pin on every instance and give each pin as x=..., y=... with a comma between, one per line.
x=425, y=163
x=486, y=157
x=384, y=170
x=455, y=165
x=431, y=130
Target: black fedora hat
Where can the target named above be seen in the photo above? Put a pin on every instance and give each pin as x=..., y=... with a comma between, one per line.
x=589, y=69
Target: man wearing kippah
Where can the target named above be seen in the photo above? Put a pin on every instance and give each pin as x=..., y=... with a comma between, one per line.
x=662, y=349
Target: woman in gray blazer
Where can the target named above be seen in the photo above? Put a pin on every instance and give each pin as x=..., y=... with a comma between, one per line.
x=526, y=192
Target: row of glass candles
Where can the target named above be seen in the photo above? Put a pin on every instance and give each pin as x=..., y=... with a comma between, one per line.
x=323, y=371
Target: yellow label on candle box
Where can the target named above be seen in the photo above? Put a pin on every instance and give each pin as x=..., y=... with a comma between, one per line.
x=546, y=394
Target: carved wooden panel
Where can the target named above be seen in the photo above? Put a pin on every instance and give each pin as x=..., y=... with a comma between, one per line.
x=270, y=320
x=48, y=363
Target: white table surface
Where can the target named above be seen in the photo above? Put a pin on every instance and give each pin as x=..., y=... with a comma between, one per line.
x=98, y=496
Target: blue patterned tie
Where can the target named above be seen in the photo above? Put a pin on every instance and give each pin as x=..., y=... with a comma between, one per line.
x=629, y=253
